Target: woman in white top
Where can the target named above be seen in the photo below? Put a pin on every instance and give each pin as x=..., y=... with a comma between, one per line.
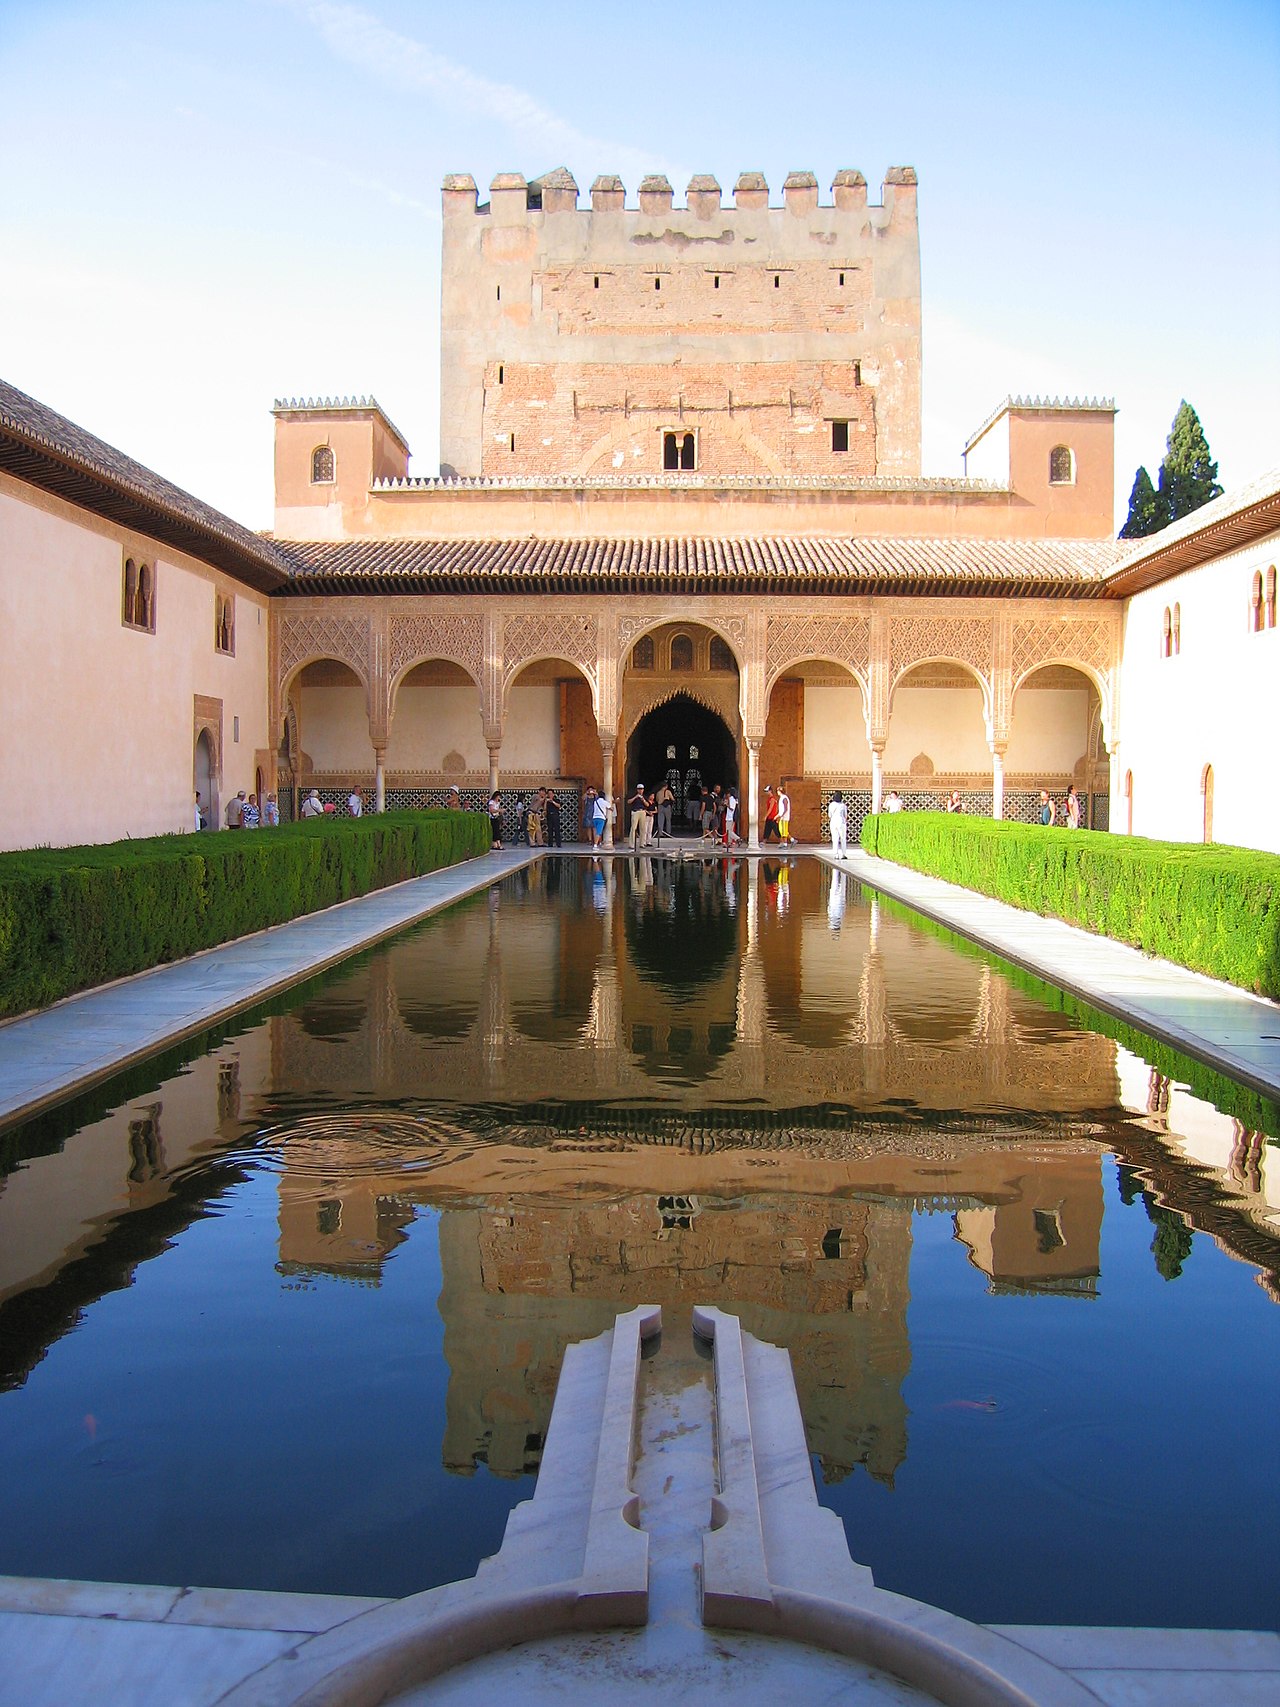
x=838, y=818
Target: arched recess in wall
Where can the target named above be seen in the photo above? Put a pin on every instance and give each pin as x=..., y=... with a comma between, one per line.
x=816, y=722
x=549, y=721
x=1206, y=803
x=330, y=702
x=940, y=706
x=206, y=777
x=1128, y=802
x=1056, y=725
x=435, y=731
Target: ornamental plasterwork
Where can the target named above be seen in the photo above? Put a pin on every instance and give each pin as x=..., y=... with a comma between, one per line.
x=843, y=639
x=730, y=628
x=913, y=639
x=458, y=639
x=307, y=636
x=720, y=697
x=1090, y=641
x=533, y=635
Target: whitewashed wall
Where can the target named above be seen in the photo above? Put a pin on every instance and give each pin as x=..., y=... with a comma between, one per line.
x=1217, y=703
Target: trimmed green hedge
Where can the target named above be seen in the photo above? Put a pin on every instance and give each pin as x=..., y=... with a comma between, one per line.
x=1214, y=909
x=74, y=917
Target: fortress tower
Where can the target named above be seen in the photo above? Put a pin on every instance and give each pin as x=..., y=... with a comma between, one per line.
x=743, y=340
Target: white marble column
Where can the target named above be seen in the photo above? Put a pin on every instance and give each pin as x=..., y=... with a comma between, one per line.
x=379, y=779
x=606, y=765
x=877, y=778
x=997, y=781
x=494, y=754
x=753, y=796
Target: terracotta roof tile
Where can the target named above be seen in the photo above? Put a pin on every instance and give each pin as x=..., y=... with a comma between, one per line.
x=848, y=565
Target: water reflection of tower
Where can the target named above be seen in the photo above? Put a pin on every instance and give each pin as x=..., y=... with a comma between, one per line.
x=825, y=1277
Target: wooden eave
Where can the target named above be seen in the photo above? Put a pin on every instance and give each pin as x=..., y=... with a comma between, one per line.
x=1157, y=563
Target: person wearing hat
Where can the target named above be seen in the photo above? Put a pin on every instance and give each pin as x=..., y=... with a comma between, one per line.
x=453, y=800
x=311, y=806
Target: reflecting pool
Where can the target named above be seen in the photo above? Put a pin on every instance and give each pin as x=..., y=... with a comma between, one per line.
x=288, y=1312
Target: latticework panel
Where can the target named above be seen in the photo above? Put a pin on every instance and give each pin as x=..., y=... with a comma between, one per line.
x=1044, y=640
x=309, y=635
x=913, y=639
x=418, y=639
x=844, y=639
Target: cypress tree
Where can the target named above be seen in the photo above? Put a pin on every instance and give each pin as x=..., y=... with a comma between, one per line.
x=1188, y=475
x=1188, y=479
x=1144, y=515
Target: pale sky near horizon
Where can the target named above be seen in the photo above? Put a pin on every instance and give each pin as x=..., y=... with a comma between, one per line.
x=209, y=205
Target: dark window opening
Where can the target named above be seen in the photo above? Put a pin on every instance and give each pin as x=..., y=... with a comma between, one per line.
x=1061, y=466
x=681, y=653
x=642, y=653
x=777, y=282
x=679, y=452
x=595, y=283
x=321, y=466
x=500, y=373
x=839, y=435
x=657, y=284
x=719, y=656
x=499, y=290
x=857, y=373
x=831, y=1242
x=716, y=281
x=511, y=441
x=842, y=279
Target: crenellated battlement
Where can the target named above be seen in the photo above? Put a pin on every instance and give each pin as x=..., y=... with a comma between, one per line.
x=725, y=335
x=511, y=193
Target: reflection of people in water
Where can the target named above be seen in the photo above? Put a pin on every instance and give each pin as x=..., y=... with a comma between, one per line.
x=835, y=900
x=672, y=781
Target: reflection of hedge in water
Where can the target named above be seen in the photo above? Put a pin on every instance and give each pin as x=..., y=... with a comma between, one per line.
x=1214, y=909
x=1239, y=1102
x=74, y=917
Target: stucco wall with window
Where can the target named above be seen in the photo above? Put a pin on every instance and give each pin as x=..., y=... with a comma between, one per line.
x=1216, y=702
x=97, y=728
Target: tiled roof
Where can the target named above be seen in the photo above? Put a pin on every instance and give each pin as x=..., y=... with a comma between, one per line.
x=1229, y=523
x=1054, y=568
x=46, y=450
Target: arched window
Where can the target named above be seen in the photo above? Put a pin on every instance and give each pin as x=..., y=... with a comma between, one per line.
x=224, y=625
x=680, y=452
x=1128, y=802
x=1062, y=466
x=721, y=656
x=1206, y=800
x=1255, y=603
x=1271, y=597
x=681, y=652
x=146, y=597
x=130, y=593
x=322, y=466
x=642, y=654
x=1177, y=630
x=1166, y=634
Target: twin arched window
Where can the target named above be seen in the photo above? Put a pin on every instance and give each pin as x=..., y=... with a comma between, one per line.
x=1062, y=466
x=1171, y=632
x=224, y=624
x=139, y=600
x=1262, y=601
x=322, y=467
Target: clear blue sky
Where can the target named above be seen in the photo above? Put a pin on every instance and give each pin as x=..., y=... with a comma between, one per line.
x=208, y=204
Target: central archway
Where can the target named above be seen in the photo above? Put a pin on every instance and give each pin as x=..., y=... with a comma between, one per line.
x=682, y=723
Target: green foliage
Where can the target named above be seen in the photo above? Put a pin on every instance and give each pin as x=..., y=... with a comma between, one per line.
x=1215, y=909
x=1144, y=515
x=74, y=917
x=1188, y=479
x=1188, y=475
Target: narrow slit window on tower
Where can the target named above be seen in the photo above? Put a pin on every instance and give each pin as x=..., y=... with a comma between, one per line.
x=842, y=280
x=595, y=282
x=501, y=371
x=1271, y=597
x=498, y=289
x=777, y=281
x=839, y=435
x=657, y=284
x=857, y=373
x=511, y=441
x=1255, y=603
x=715, y=281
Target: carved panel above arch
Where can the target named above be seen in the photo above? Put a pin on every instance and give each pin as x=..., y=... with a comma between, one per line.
x=306, y=635
x=417, y=637
x=844, y=639
x=912, y=639
x=534, y=634
x=1090, y=641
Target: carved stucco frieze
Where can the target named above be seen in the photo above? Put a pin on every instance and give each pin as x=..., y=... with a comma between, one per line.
x=1038, y=640
x=531, y=635
x=915, y=639
x=307, y=635
x=457, y=639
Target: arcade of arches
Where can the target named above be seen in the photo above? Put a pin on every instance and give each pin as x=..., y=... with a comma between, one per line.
x=996, y=698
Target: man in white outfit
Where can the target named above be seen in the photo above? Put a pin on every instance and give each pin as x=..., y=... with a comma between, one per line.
x=838, y=818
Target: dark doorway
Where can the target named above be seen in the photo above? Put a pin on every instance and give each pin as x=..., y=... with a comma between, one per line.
x=682, y=723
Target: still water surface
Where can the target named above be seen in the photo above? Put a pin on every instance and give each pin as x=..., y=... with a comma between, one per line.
x=290, y=1314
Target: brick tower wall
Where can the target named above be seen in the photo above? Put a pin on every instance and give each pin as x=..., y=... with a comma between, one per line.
x=575, y=339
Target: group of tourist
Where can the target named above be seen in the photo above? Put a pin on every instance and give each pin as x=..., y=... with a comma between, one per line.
x=777, y=815
x=539, y=821
x=1066, y=812
x=243, y=812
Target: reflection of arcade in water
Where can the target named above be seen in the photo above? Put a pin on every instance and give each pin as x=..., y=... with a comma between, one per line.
x=688, y=1085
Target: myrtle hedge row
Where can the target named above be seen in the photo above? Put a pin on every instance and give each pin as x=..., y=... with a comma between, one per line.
x=74, y=917
x=1214, y=909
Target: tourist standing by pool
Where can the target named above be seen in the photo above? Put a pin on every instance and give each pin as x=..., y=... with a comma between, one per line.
x=784, y=816
x=838, y=818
